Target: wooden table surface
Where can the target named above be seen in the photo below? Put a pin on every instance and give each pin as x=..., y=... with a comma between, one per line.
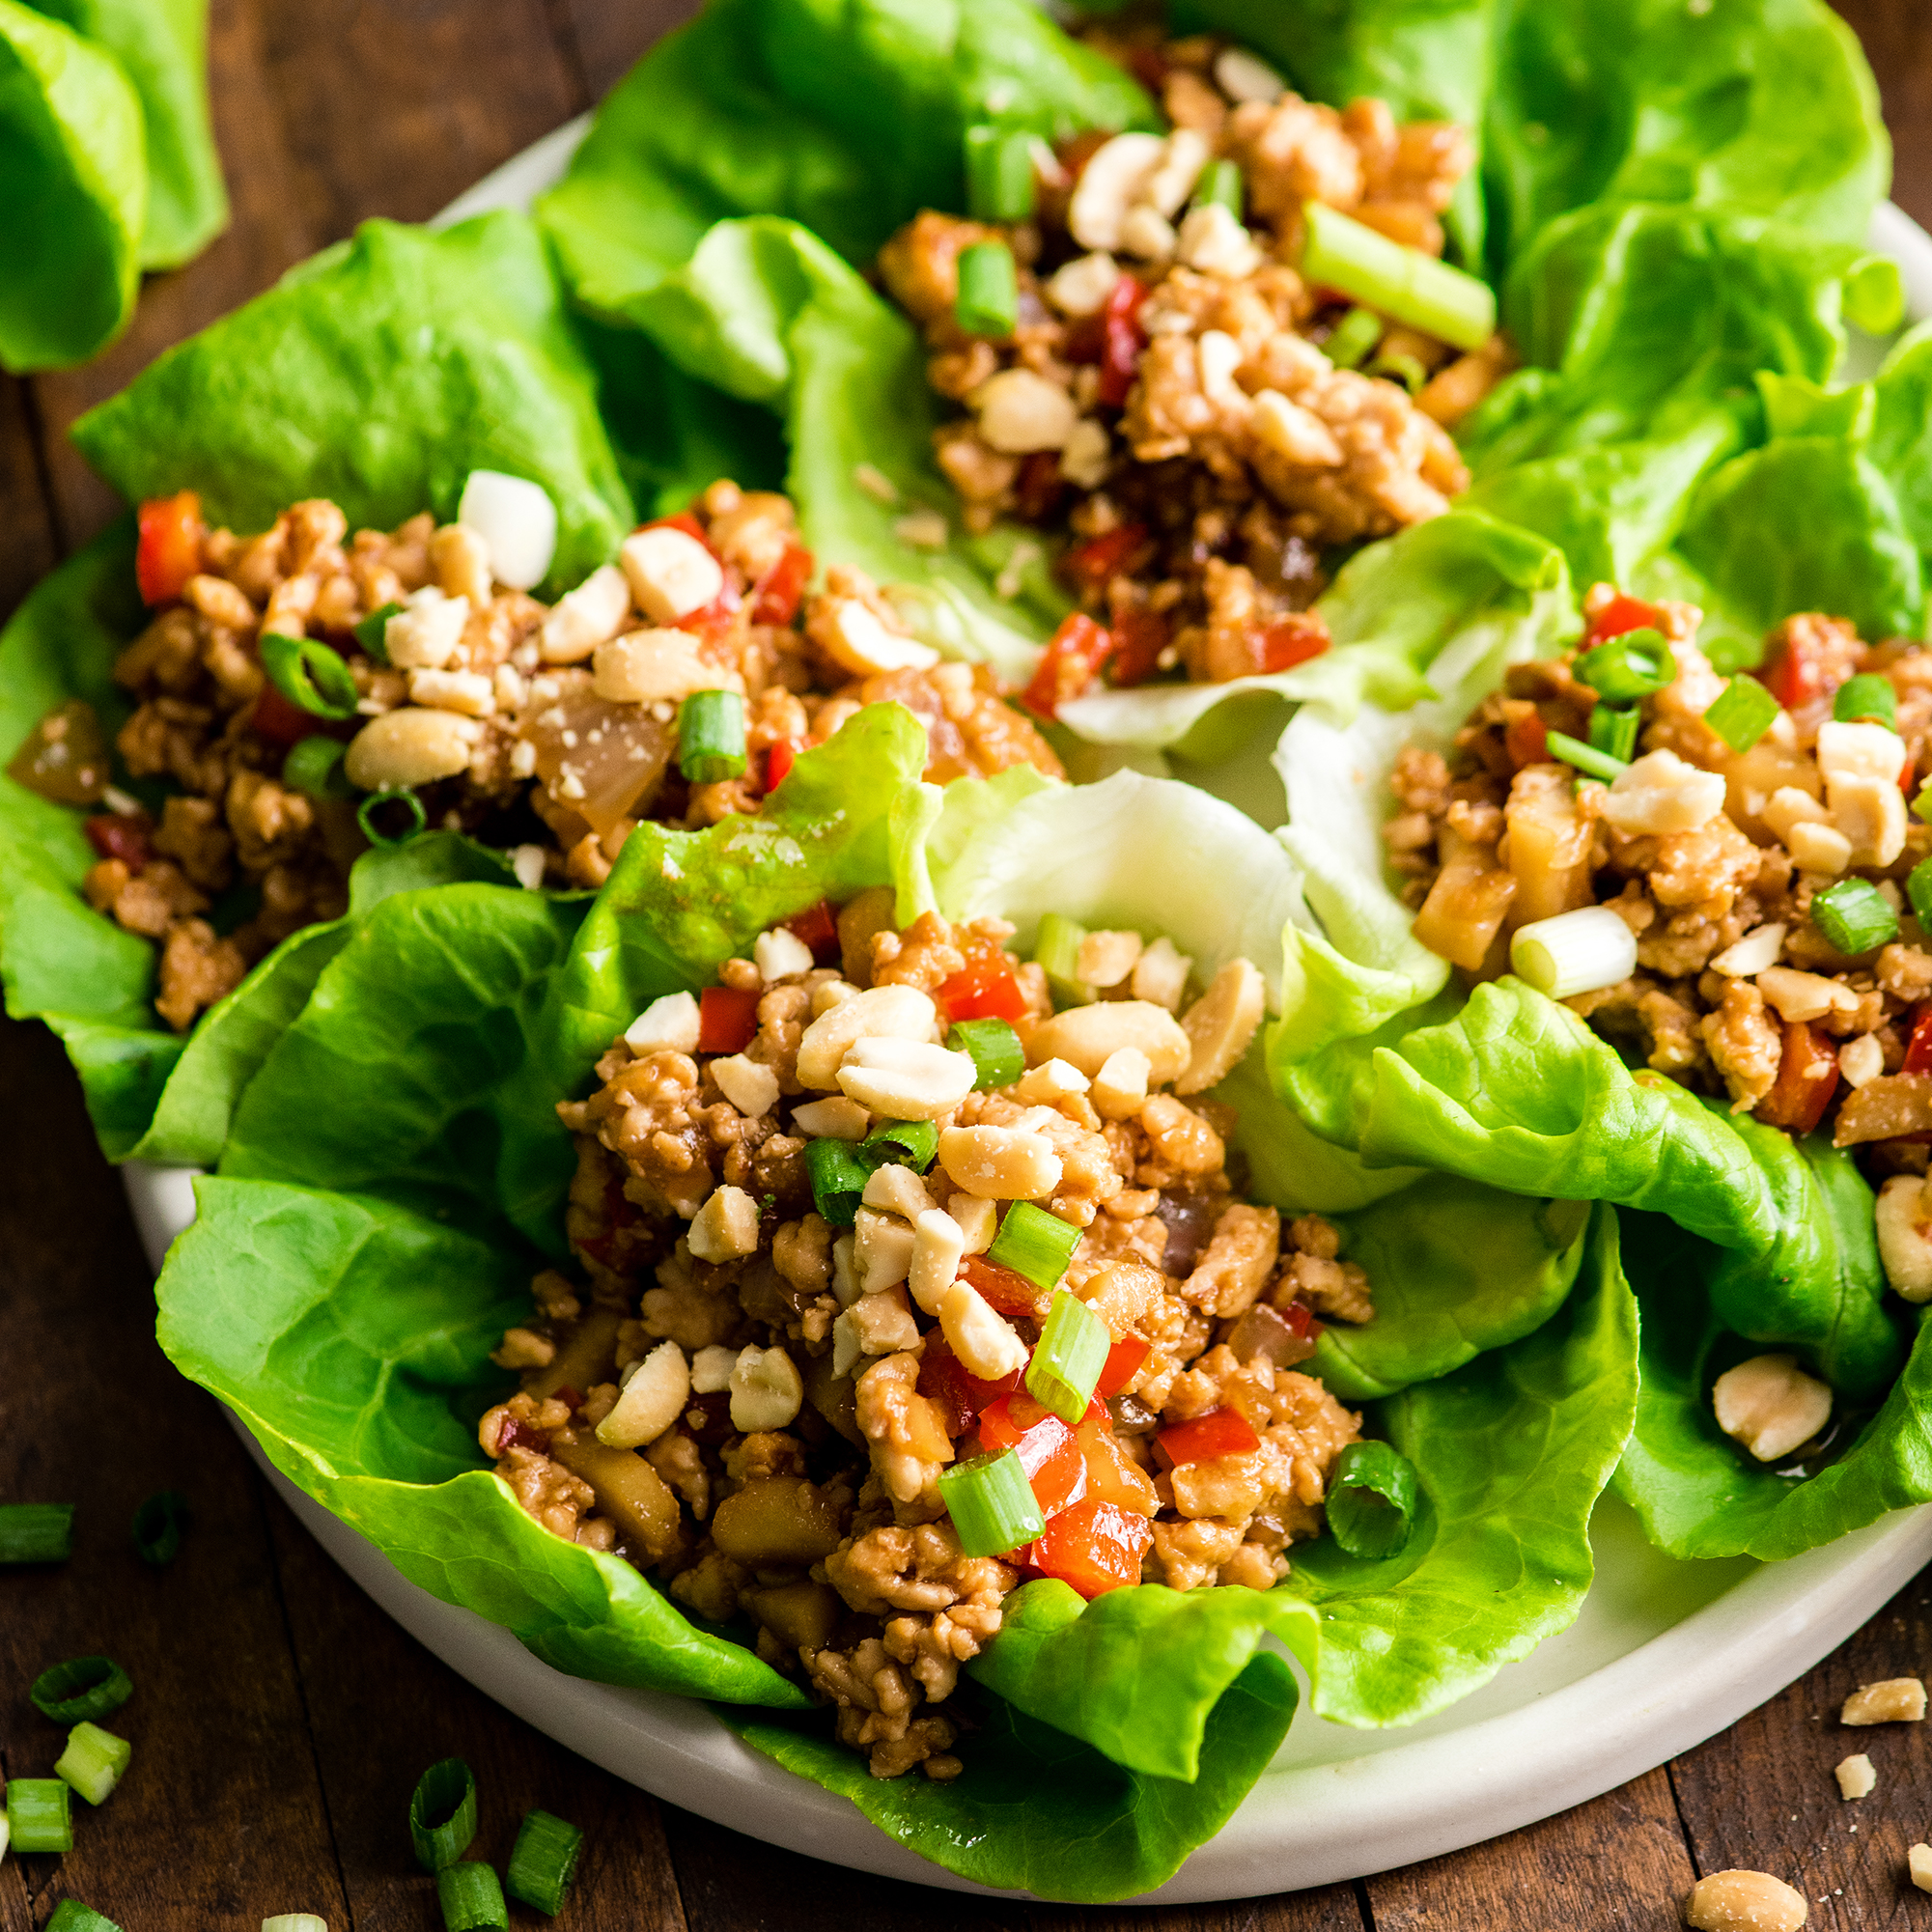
x=281, y=1720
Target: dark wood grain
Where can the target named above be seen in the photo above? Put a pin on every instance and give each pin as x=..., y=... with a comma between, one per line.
x=280, y=1718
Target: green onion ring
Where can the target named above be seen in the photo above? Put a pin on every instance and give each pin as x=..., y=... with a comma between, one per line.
x=446, y=1792
x=36, y=1532
x=471, y=1898
x=81, y=1688
x=366, y=811
x=309, y=674
x=71, y=1915
x=543, y=1861
x=1636, y=665
x=1372, y=1500
x=158, y=1524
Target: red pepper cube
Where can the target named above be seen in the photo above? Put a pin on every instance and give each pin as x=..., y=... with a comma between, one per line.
x=281, y=720
x=777, y=597
x=1807, y=1076
x=1526, y=740
x=168, y=553
x=984, y=988
x=119, y=835
x=1293, y=641
x=1220, y=1432
x=1141, y=638
x=817, y=928
x=1121, y=339
x=1122, y=1364
x=727, y=1020
x=1093, y=1546
x=1073, y=656
x=1004, y=1290
x=1622, y=615
x=1918, y=1052
x=1089, y=566
x=778, y=761
x=1049, y=1452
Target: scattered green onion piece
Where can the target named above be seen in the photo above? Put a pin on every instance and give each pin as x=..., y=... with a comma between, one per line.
x=39, y=1814
x=838, y=1178
x=1001, y=185
x=296, y=1921
x=1072, y=1348
x=1353, y=338
x=1635, y=665
x=988, y=301
x=1372, y=1498
x=93, y=1761
x=158, y=1524
x=36, y=1532
x=1866, y=699
x=992, y=1504
x=1579, y=951
x=1405, y=284
x=1221, y=185
x=442, y=1813
x=471, y=1898
x=1406, y=370
x=1057, y=949
x=903, y=1143
x=373, y=633
x=315, y=766
x=376, y=801
x=543, y=1861
x=1919, y=889
x=83, y=1687
x=310, y=675
x=1613, y=731
x=71, y=1915
x=1574, y=752
x=1035, y=1244
x=1855, y=915
x=995, y=1052
x=1921, y=806
x=1742, y=713
x=710, y=737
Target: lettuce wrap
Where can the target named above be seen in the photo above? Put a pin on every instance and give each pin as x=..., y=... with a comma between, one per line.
x=394, y=1174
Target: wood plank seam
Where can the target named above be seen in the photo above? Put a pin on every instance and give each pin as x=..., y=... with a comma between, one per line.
x=562, y=23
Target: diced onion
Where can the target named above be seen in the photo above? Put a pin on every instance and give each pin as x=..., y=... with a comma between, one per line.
x=517, y=518
x=1575, y=952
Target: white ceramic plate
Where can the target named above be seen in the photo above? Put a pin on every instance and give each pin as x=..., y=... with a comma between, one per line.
x=1663, y=1656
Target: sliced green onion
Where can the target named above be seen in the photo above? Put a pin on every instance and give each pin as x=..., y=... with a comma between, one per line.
x=1613, y=731
x=39, y=1814
x=1220, y=186
x=1405, y=284
x=1574, y=752
x=838, y=1178
x=999, y=173
x=71, y=1915
x=710, y=737
x=1855, y=915
x=905, y=1143
x=995, y=1052
x=310, y=675
x=1742, y=713
x=1635, y=665
x=36, y=1532
x=315, y=766
x=1866, y=699
x=93, y=1761
x=1353, y=338
x=988, y=301
x=1035, y=1244
x=1072, y=1348
x=1057, y=949
x=1372, y=1498
x=83, y=1687
x=442, y=1813
x=1574, y=952
x=1919, y=889
x=543, y=1861
x=381, y=801
x=471, y=1898
x=992, y=1504
x=296, y=1921
x=158, y=1524
x=373, y=633
x=1402, y=367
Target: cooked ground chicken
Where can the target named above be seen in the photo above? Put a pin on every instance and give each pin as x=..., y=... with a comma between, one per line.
x=1163, y=402
x=756, y=1402
x=548, y=732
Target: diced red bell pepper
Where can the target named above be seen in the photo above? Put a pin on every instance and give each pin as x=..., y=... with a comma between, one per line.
x=727, y=1019
x=1220, y=1432
x=1073, y=656
x=1141, y=636
x=1040, y=485
x=817, y=928
x=1089, y=566
x=778, y=760
x=782, y=588
x=571, y=1398
x=682, y=519
x=1621, y=615
x=719, y=613
x=1918, y=1052
x=169, y=551
x=1093, y=1546
x=281, y=720
x=1300, y=1318
x=1293, y=641
x=1121, y=339
x=119, y=836
x=1049, y=1452
x=983, y=988
x=1796, y=676
x=1122, y=1364
x=1004, y=1290
x=1807, y=1076
x=1526, y=740
x=960, y=1394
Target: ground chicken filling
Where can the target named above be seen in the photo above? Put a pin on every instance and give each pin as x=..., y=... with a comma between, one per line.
x=1759, y=845
x=547, y=731
x=757, y=1400
x=1162, y=401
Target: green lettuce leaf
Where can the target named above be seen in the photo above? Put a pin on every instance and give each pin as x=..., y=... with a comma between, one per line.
x=73, y=178
x=380, y=374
